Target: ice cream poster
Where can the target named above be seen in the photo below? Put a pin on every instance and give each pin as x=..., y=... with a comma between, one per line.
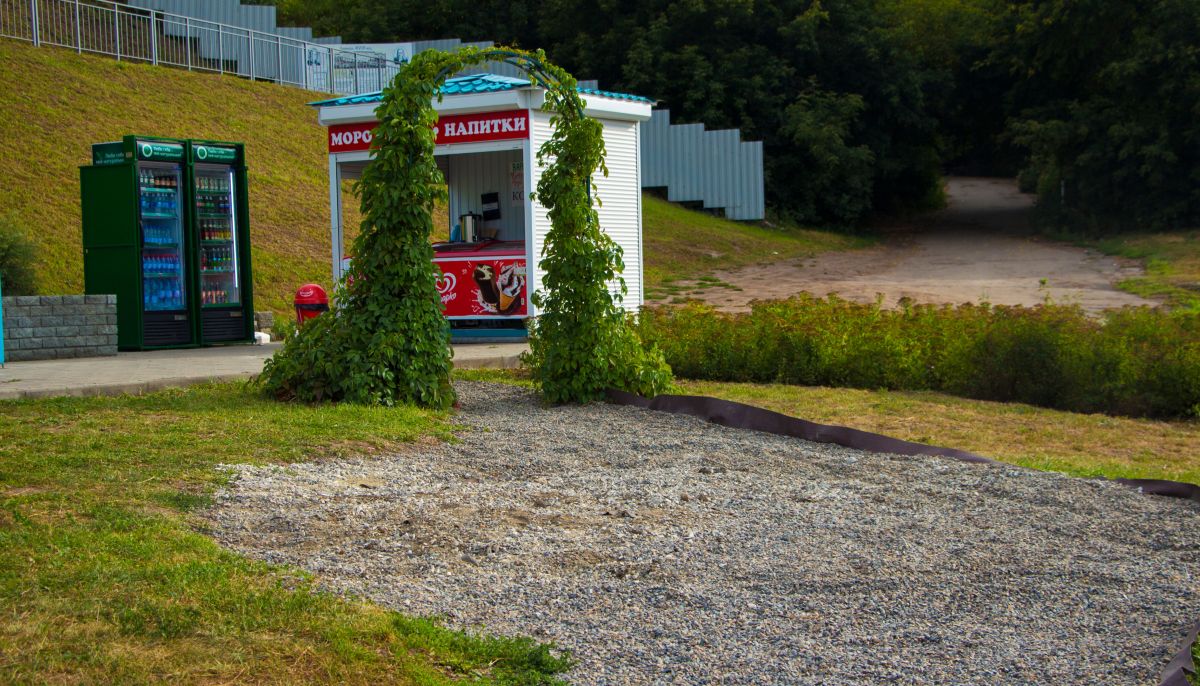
x=483, y=288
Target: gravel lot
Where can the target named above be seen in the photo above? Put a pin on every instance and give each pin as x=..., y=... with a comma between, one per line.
x=662, y=549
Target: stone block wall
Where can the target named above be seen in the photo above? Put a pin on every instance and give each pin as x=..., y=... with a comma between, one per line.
x=47, y=327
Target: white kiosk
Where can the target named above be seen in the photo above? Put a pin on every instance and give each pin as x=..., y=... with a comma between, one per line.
x=488, y=132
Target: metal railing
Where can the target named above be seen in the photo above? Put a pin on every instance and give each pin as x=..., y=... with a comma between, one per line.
x=126, y=33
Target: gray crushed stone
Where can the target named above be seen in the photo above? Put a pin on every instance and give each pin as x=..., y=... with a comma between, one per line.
x=659, y=548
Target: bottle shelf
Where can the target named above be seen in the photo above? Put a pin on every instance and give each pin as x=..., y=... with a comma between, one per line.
x=156, y=189
x=161, y=275
x=216, y=241
x=206, y=215
x=216, y=272
x=154, y=215
x=150, y=245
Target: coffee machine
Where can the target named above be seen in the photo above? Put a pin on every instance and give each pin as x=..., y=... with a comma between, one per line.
x=469, y=225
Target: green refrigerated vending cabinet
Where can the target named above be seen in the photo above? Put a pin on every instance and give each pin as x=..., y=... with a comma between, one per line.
x=134, y=206
x=221, y=230
x=165, y=228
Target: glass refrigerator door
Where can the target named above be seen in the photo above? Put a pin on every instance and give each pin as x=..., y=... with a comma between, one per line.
x=163, y=286
x=216, y=223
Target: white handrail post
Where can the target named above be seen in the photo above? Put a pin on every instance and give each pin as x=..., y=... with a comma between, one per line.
x=279, y=59
x=304, y=67
x=221, y=47
x=117, y=26
x=78, y=31
x=33, y=22
x=153, y=38
x=250, y=41
x=187, y=40
x=357, y=90
x=332, y=89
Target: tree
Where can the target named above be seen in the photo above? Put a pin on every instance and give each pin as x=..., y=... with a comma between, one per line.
x=726, y=63
x=1106, y=104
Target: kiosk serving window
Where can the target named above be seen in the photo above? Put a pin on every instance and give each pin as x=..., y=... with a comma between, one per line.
x=472, y=177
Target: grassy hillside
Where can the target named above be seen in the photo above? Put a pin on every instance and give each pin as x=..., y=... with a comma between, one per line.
x=65, y=102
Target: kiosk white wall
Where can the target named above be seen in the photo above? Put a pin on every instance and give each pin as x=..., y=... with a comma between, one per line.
x=487, y=142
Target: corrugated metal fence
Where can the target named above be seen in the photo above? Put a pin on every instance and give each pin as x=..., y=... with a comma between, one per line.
x=714, y=168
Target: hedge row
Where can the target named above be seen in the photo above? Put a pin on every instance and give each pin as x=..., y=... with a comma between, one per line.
x=1134, y=361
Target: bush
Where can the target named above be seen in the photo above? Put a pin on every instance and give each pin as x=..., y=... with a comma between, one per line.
x=1134, y=361
x=16, y=259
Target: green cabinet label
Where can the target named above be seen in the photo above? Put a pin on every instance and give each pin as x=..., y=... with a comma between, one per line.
x=209, y=153
x=151, y=150
x=105, y=154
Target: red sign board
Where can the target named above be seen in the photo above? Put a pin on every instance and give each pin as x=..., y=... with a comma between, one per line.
x=459, y=128
x=351, y=137
x=483, y=287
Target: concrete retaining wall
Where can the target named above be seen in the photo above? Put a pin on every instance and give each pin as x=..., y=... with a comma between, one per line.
x=48, y=327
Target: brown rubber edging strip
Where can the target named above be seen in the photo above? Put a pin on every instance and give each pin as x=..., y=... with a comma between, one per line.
x=742, y=416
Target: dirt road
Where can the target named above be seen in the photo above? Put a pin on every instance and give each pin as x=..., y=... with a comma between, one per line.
x=980, y=248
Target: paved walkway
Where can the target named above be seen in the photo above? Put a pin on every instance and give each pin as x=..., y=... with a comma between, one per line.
x=150, y=371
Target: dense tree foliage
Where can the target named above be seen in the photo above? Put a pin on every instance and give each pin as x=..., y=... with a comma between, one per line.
x=1107, y=101
x=862, y=104
x=817, y=81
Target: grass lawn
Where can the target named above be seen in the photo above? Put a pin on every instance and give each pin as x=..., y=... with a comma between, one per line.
x=1078, y=444
x=684, y=247
x=1172, y=265
x=105, y=575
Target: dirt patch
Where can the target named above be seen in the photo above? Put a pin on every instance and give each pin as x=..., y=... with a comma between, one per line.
x=979, y=249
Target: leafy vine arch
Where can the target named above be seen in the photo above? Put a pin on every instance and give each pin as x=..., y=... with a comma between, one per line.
x=386, y=342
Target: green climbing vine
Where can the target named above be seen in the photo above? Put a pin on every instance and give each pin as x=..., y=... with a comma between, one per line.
x=385, y=340
x=581, y=343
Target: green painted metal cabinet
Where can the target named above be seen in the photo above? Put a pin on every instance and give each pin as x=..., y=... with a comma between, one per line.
x=166, y=228
x=221, y=231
